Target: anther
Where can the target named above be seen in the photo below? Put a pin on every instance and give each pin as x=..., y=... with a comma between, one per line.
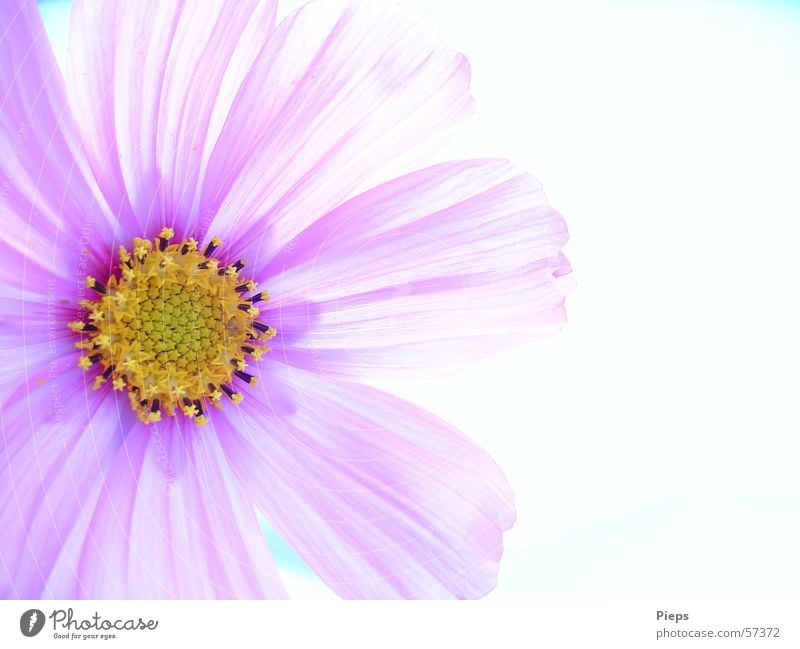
x=141, y=248
x=235, y=397
x=247, y=378
x=264, y=329
x=190, y=245
x=234, y=269
x=215, y=243
x=164, y=237
x=213, y=393
x=189, y=409
x=92, y=283
x=249, y=285
x=249, y=310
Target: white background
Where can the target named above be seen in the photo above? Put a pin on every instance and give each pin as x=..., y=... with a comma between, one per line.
x=653, y=444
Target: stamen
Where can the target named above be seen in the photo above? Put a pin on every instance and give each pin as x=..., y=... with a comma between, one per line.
x=164, y=237
x=189, y=409
x=172, y=327
x=190, y=245
x=91, y=282
x=247, y=378
x=215, y=243
x=235, y=397
x=249, y=310
x=249, y=285
x=234, y=269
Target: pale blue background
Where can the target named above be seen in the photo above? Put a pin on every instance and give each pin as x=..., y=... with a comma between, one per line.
x=653, y=444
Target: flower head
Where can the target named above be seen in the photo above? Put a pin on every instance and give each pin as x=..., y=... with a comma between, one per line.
x=206, y=252
x=173, y=329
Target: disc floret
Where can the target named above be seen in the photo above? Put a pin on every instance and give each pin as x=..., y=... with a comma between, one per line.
x=173, y=328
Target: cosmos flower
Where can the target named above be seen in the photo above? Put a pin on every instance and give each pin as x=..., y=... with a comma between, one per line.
x=211, y=236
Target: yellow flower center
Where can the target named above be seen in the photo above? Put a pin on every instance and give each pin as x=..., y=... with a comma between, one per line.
x=174, y=328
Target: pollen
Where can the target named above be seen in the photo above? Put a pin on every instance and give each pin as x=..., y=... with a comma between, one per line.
x=173, y=328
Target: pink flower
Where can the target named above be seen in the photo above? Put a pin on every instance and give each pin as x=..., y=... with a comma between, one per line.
x=177, y=127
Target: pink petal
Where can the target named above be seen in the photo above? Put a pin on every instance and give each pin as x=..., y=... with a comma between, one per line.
x=49, y=205
x=423, y=274
x=172, y=523
x=55, y=444
x=380, y=498
x=156, y=80
x=35, y=307
x=56, y=228
x=341, y=95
